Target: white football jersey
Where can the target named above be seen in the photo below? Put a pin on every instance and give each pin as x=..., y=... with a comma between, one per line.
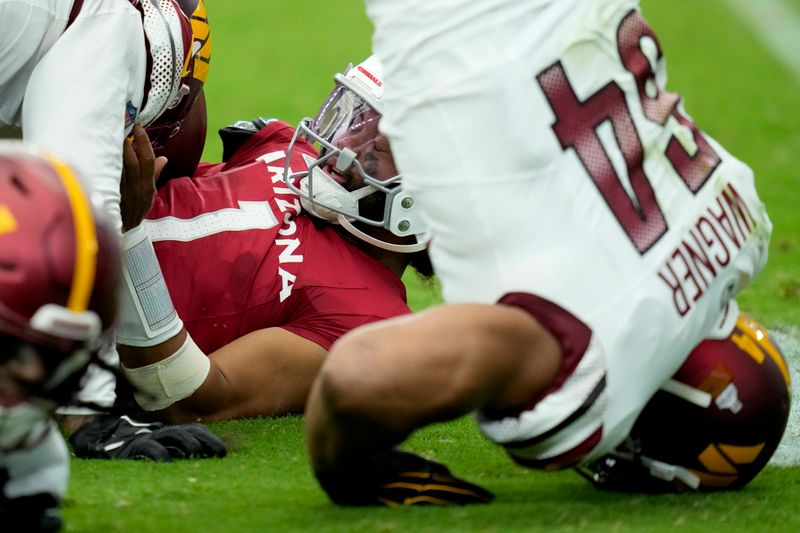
x=549, y=159
x=77, y=92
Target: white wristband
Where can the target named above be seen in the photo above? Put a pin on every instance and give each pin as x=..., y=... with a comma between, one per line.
x=161, y=384
x=147, y=316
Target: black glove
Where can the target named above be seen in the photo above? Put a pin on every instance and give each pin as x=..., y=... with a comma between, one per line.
x=402, y=479
x=36, y=513
x=119, y=437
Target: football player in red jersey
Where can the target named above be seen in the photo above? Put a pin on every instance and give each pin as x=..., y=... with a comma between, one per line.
x=261, y=287
x=586, y=233
x=60, y=267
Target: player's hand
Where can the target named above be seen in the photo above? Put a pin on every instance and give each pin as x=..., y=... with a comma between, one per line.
x=403, y=479
x=119, y=437
x=140, y=171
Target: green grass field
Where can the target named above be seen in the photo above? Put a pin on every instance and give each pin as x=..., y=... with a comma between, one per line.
x=275, y=59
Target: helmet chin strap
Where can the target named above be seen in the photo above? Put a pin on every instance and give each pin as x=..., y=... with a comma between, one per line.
x=399, y=248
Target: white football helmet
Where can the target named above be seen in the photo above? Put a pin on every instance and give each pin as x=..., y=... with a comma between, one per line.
x=355, y=178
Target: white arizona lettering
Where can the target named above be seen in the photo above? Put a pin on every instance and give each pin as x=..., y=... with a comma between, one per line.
x=287, y=202
x=287, y=255
x=289, y=227
x=287, y=282
x=277, y=173
x=269, y=157
x=287, y=205
x=283, y=190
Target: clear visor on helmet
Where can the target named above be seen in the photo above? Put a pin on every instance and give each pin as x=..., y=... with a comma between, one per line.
x=355, y=178
x=354, y=162
x=345, y=119
x=350, y=144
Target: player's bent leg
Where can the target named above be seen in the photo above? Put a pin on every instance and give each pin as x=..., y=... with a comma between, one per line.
x=565, y=423
x=382, y=381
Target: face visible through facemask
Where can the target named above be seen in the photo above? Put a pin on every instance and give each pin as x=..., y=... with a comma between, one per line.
x=354, y=180
x=373, y=158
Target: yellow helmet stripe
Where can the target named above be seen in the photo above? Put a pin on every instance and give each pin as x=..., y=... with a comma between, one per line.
x=777, y=358
x=85, y=239
x=201, y=44
x=8, y=224
x=754, y=336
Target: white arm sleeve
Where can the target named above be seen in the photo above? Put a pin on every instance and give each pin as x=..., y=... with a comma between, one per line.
x=146, y=314
x=83, y=95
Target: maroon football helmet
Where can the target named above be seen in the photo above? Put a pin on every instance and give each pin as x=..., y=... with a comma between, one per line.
x=59, y=269
x=183, y=145
x=179, y=133
x=713, y=426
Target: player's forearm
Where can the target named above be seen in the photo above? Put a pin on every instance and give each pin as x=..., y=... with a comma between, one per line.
x=138, y=356
x=158, y=356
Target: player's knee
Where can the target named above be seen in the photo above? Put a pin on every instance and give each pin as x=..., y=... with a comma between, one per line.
x=352, y=382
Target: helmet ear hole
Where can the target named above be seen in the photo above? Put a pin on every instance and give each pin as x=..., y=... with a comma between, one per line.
x=17, y=183
x=187, y=6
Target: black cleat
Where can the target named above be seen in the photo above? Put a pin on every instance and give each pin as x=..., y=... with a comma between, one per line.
x=404, y=479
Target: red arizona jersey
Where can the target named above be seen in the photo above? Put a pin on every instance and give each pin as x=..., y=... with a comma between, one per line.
x=238, y=255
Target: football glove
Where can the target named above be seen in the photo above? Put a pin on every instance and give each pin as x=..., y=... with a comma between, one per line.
x=403, y=479
x=119, y=437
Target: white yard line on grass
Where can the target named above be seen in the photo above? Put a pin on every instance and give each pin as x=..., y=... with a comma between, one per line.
x=788, y=453
x=777, y=24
